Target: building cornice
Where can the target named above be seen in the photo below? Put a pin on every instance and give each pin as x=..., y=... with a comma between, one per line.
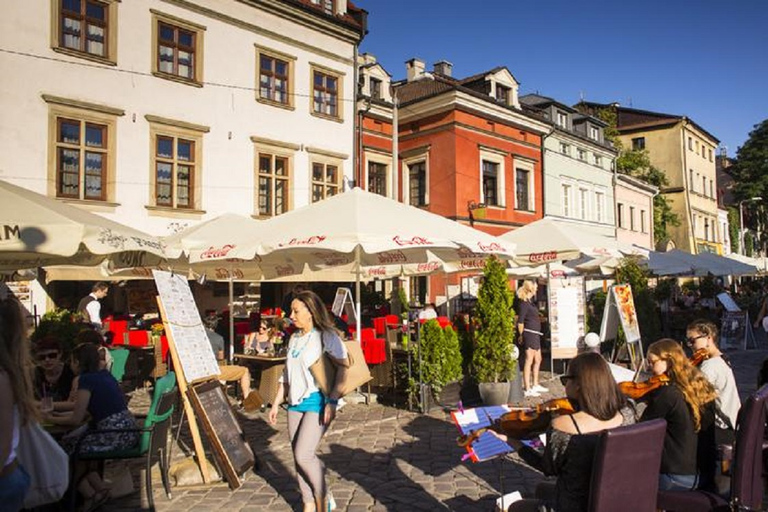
x=326, y=152
x=178, y=124
x=84, y=105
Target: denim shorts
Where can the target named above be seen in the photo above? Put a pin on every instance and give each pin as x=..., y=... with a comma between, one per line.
x=13, y=488
x=313, y=403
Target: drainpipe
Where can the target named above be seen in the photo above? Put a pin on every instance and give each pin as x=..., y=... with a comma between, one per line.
x=395, y=148
x=543, y=171
x=356, y=126
x=689, y=186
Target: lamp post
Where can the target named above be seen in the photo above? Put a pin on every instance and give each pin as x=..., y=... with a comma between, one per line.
x=741, y=222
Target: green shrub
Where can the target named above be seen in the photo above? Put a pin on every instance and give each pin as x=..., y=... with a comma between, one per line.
x=440, y=356
x=61, y=324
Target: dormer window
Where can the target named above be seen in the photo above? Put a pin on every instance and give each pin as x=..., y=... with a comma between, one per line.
x=594, y=133
x=502, y=94
x=562, y=119
x=375, y=88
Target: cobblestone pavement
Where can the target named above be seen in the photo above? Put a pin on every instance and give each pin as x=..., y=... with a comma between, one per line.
x=378, y=458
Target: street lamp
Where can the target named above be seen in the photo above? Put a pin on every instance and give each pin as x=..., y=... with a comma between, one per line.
x=741, y=221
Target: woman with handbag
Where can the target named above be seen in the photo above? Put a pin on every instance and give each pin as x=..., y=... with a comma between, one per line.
x=309, y=410
x=17, y=405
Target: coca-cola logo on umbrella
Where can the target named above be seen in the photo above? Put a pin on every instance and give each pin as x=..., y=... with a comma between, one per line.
x=216, y=252
x=312, y=240
x=416, y=240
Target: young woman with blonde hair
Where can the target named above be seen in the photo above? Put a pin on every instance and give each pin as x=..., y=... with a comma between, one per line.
x=687, y=404
x=17, y=405
x=529, y=329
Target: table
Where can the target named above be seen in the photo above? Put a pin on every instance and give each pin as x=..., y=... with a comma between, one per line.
x=271, y=369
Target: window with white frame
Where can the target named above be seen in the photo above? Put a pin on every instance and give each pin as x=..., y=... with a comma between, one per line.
x=377, y=178
x=523, y=190
x=417, y=183
x=597, y=159
x=643, y=221
x=583, y=203
x=594, y=133
x=562, y=119
x=621, y=221
x=565, y=148
x=599, y=206
x=490, y=183
x=566, y=199
x=582, y=154
x=632, y=218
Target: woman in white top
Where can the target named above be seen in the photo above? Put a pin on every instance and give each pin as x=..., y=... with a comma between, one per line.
x=309, y=412
x=16, y=399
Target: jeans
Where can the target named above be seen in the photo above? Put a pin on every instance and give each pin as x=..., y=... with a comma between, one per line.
x=670, y=482
x=13, y=489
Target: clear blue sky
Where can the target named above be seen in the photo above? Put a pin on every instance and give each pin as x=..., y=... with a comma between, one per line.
x=705, y=59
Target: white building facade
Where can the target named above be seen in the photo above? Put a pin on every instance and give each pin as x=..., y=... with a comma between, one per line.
x=163, y=113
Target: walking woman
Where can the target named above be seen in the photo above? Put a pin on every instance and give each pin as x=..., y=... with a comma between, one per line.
x=309, y=412
x=529, y=328
x=687, y=404
x=16, y=399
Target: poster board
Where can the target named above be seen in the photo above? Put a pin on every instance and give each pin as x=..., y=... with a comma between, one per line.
x=566, y=315
x=728, y=303
x=733, y=330
x=620, y=310
x=183, y=320
x=343, y=304
x=232, y=452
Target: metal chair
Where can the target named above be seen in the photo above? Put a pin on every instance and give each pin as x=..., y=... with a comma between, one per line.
x=746, y=470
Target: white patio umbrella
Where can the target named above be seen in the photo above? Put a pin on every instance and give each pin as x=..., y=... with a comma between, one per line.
x=360, y=230
x=727, y=266
x=38, y=231
x=550, y=240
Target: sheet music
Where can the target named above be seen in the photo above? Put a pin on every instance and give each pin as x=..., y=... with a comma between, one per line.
x=621, y=374
x=487, y=446
x=186, y=327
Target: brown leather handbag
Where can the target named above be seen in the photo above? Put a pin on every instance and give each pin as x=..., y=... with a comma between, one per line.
x=324, y=369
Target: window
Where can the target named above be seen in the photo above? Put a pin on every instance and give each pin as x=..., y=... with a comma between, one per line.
x=417, y=184
x=690, y=144
x=599, y=207
x=377, y=178
x=582, y=154
x=176, y=163
x=632, y=218
x=566, y=198
x=638, y=143
x=419, y=288
x=704, y=185
x=178, y=49
x=326, y=87
x=598, y=160
x=620, y=214
x=522, y=189
x=84, y=26
x=502, y=94
x=594, y=133
x=81, y=159
x=82, y=144
x=711, y=189
x=274, y=79
x=583, y=204
x=565, y=148
x=643, y=224
x=710, y=154
x=562, y=119
x=706, y=229
x=697, y=147
x=690, y=180
x=375, y=88
x=326, y=181
x=274, y=185
x=490, y=183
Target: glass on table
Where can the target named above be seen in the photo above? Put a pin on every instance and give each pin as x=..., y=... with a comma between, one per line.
x=46, y=404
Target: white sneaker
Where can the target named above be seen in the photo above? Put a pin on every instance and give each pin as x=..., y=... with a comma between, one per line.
x=540, y=388
x=531, y=393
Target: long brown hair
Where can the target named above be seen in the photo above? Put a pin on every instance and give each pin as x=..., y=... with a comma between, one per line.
x=694, y=386
x=599, y=395
x=321, y=319
x=15, y=350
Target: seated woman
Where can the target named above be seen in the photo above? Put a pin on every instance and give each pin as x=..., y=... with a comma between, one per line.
x=98, y=396
x=687, y=404
x=52, y=378
x=259, y=342
x=572, y=438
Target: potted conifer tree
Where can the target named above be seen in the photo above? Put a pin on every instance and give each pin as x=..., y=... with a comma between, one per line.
x=494, y=318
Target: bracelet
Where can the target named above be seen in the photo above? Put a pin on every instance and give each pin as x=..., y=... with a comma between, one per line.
x=333, y=401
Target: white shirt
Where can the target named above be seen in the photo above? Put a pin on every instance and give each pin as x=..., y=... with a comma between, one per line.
x=303, y=351
x=14, y=437
x=427, y=314
x=720, y=375
x=94, y=310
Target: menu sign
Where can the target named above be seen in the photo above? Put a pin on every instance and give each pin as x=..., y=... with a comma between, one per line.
x=625, y=305
x=186, y=328
x=566, y=315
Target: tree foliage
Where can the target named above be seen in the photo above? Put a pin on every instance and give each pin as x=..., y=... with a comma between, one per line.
x=750, y=171
x=637, y=163
x=494, y=326
x=733, y=229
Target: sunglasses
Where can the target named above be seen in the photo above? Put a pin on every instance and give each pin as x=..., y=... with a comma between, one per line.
x=47, y=355
x=565, y=378
x=691, y=341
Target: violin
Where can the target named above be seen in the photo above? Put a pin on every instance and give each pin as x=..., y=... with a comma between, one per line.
x=523, y=423
x=637, y=390
x=699, y=356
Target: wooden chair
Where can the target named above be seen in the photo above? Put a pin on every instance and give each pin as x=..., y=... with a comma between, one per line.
x=153, y=442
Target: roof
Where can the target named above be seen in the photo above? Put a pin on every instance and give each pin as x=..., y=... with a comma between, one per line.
x=633, y=119
x=536, y=100
x=637, y=182
x=355, y=18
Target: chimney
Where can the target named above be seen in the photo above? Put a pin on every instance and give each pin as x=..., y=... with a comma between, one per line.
x=442, y=67
x=414, y=69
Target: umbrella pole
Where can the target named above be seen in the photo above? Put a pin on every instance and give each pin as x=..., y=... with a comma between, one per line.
x=231, y=317
x=357, y=294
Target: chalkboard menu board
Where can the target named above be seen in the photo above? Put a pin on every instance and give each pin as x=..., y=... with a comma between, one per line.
x=232, y=453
